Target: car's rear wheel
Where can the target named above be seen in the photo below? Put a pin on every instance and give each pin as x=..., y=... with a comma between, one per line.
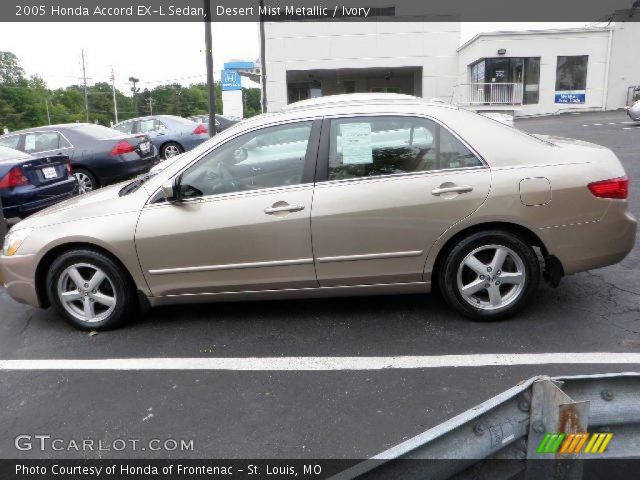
x=170, y=149
x=90, y=290
x=489, y=275
x=86, y=180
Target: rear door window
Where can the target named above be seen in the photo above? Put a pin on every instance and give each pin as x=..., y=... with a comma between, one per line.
x=11, y=141
x=41, y=142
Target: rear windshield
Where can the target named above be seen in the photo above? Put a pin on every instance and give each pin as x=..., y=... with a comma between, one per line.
x=97, y=132
x=10, y=153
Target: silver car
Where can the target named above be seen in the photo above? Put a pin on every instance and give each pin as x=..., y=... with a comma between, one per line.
x=634, y=111
x=345, y=195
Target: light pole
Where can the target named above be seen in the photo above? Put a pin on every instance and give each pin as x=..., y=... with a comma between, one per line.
x=209, y=56
x=263, y=63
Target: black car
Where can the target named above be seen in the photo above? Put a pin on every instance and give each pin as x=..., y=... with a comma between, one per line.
x=99, y=155
x=29, y=183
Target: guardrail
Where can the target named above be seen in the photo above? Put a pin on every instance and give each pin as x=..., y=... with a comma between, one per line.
x=513, y=426
x=489, y=94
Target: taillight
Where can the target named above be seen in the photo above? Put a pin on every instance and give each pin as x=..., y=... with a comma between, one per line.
x=121, y=148
x=613, y=188
x=68, y=165
x=200, y=129
x=15, y=178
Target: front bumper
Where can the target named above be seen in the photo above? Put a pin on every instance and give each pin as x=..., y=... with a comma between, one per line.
x=18, y=274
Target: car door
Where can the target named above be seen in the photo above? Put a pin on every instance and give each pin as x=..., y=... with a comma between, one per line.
x=244, y=221
x=387, y=188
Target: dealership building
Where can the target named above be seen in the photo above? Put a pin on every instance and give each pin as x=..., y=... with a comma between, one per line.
x=530, y=72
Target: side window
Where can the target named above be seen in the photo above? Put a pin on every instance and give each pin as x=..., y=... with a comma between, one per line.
x=267, y=158
x=158, y=125
x=126, y=127
x=374, y=146
x=41, y=142
x=147, y=125
x=10, y=142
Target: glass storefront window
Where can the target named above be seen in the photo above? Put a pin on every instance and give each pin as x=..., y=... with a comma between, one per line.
x=571, y=73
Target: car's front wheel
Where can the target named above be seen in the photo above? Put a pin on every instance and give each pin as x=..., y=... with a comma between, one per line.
x=489, y=275
x=90, y=290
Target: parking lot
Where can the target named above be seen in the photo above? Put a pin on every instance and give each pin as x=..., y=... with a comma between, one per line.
x=255, y=409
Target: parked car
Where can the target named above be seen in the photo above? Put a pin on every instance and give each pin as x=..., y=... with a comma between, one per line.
x=29, y=183
x=171, y=135
x=222, y=122
x=634, y=111
x=99, y=155
x=345, y=195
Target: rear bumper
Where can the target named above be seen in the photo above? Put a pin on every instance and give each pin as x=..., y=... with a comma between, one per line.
x=22, y=204
x=591, y=245
x=18, y=273
x=634, y=114
x=130, y=168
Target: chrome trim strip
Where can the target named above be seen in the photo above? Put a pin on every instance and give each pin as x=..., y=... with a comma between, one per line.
x=232, y=266
x=294, y=290
x=371, y=256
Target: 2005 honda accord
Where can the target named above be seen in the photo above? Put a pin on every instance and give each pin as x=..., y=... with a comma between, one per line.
x=345, y=195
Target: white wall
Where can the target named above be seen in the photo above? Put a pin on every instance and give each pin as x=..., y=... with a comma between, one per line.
x=624, y=70
x=548, y=46
x=335, y=45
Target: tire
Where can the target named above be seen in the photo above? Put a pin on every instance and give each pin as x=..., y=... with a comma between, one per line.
x=111, y=300
x=470, y=267
x=86, y=180
x=170, y=149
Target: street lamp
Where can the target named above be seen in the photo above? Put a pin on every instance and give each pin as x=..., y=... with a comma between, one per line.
x=209, y=56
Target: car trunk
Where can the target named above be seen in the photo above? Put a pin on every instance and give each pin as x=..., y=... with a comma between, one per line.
x=46, y=170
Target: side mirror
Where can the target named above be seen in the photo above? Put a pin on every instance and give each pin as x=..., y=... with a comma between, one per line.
x=171, y=190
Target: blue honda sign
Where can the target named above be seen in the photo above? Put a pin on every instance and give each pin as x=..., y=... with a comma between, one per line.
x=230, y=80
x=573, y=97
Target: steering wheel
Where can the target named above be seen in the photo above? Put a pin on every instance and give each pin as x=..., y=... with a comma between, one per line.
x=226, y=178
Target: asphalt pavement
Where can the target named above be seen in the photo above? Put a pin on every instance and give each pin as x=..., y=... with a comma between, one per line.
x=312, y=414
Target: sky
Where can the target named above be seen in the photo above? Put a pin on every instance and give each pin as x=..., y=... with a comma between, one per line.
x=156, y=53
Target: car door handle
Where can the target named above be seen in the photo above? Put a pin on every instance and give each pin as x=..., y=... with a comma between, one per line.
x=455, y=189
x=283, y=208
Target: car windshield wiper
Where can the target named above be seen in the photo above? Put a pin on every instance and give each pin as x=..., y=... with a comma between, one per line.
x=134, y=186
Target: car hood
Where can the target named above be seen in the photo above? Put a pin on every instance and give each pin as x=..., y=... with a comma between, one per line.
x=105, y=201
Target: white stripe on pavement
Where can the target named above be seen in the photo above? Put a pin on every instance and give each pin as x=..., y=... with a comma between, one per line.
x=324, y=363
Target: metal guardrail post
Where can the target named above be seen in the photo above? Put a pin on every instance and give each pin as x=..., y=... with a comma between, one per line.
x=553, y=411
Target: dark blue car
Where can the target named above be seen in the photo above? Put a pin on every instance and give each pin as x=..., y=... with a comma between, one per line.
x=30, y=183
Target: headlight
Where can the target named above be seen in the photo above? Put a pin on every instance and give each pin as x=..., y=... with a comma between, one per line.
x=13, y=240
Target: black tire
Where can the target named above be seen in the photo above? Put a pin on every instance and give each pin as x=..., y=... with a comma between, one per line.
x=170, y=146
x=117, y=283
x=515, y=296
x=87, y=181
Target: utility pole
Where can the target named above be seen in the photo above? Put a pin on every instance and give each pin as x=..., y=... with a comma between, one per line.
x=46, y=106
x=263, y=63
x=113, y=88
x=86, y=97
x=211, y=88
x=151, y=102
x=135, y=90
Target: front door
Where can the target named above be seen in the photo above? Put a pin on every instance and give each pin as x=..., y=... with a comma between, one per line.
x=389, y=187
x=244, y=224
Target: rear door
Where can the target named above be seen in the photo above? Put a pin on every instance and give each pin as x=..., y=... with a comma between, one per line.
x=387, y=188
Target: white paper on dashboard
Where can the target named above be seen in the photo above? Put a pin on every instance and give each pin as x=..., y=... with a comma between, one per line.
x=356, y=143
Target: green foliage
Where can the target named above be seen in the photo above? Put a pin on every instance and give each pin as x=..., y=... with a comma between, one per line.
x=24, y=101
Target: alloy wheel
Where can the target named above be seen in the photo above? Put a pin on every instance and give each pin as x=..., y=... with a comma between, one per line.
x=86, y=293
x=85, y=185
x=171, y=151
x=491, y=277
